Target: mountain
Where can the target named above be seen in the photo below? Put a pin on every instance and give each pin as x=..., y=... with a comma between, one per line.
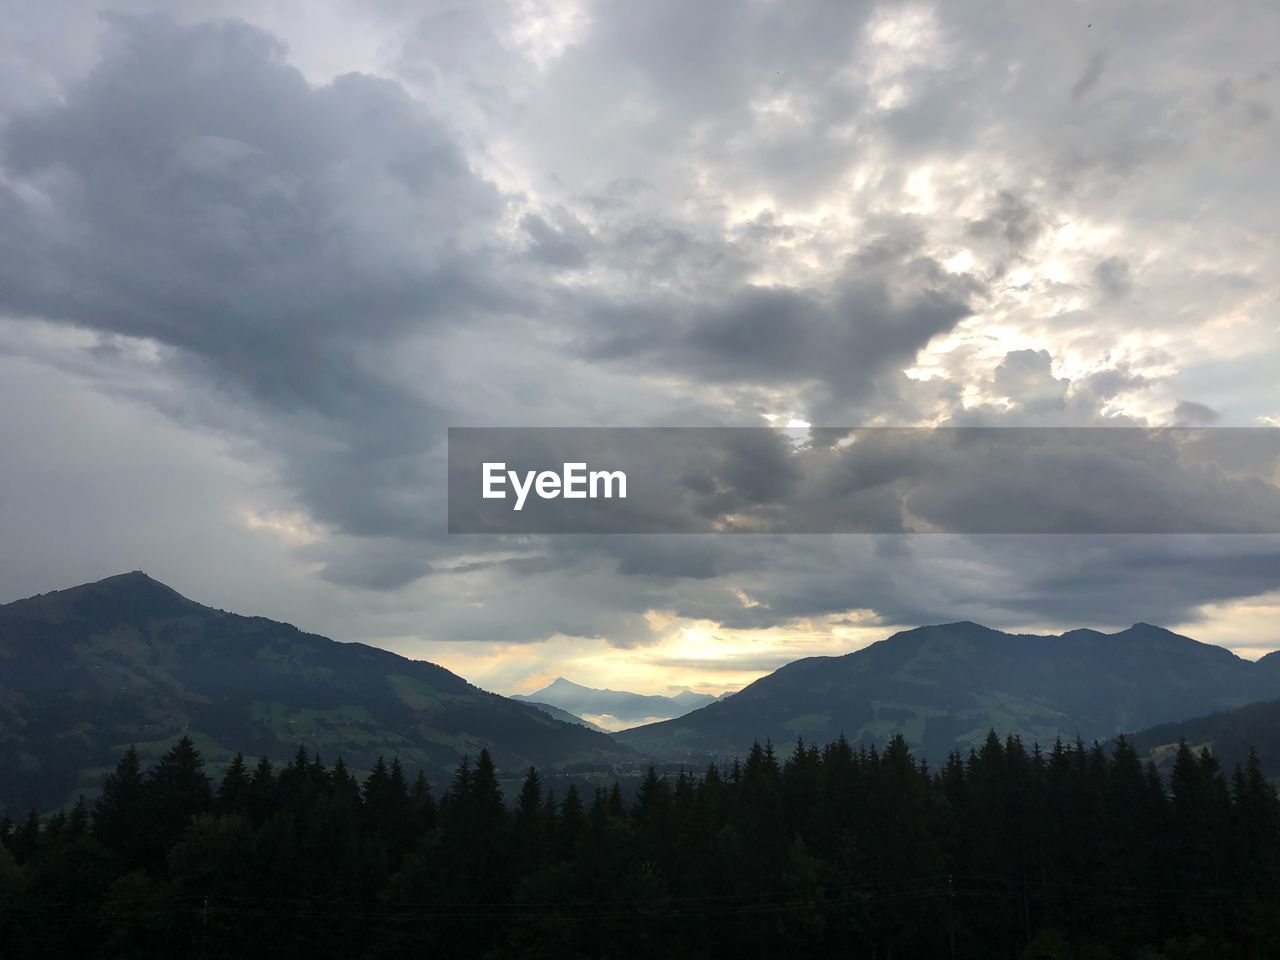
x=87, y=671
x=944, y=686
x=616, y=708
x=1229, y=735
x=1270, y=664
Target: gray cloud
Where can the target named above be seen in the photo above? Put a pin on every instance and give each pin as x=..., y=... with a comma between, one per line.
x=305, y=262
x=1011, y=221
x=886, y=303
x=1191, y=412
x=1112, y=277
x=1025, y=377
x=195, y=190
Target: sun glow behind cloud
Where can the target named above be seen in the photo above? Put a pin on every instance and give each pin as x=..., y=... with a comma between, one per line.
x=698, y=655
x=1250, y=628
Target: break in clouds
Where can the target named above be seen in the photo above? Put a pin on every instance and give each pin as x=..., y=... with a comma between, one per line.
x=253, y=263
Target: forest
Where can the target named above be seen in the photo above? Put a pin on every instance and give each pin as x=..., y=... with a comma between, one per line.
x=1078, y=852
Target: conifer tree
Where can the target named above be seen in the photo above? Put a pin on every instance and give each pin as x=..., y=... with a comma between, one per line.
x=422, y=804
x=26, y=840
x=344, y=785
x=486, y=796
x=998, y=854
x=120, y=819
x=262, y=790
x=530, y=802
x=1255, y=825
x=233, y=793
x=175, y=792
x=398, y=784
x=78, y=823
x=572, y=821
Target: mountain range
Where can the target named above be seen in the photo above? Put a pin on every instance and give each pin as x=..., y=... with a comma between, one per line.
x=87, y=671
x=945, y=686
x=616, y=709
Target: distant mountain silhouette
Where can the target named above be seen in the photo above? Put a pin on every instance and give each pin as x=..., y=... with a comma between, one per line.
x=944, y=686
x=624, y=707
x=85, y=672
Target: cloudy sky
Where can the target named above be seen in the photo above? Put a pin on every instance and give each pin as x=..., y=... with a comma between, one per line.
x=256, y=257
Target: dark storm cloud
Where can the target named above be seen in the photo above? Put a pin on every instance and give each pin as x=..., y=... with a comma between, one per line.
x=371, y=568
x=195, y=190
x=875, y=480
x=887, y=301
x=898, y=579
x=998, y=580
x=1179, y=575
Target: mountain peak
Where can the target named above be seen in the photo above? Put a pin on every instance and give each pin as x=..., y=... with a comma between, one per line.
x=966, y=628
x=624, y=706
x=563, y=683
x=134, y=578
x=124, y=595
x=1142, y=629
x=1081, y=633
x=137, y=587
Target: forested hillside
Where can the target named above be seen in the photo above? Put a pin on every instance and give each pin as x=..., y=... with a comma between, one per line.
x=1231, y=735
x=831, y=851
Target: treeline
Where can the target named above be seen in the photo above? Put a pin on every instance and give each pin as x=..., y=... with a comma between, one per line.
x=1078, y=853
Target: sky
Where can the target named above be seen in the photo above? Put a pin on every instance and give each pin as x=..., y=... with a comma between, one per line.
x=256, y=257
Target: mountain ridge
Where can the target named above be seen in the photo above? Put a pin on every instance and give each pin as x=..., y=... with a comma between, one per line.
x=944, y=685
x=128, y=660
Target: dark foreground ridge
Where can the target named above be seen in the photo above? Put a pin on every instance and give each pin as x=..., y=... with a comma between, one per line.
x=127, y=660
x=832, y=852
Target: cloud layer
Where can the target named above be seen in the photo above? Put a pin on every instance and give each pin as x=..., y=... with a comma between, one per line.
x=293, y=249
